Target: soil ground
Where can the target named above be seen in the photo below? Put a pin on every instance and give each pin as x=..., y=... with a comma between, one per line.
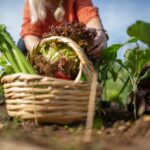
x=118, y=132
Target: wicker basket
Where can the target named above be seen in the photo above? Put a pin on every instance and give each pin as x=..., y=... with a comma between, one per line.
x=47, y=99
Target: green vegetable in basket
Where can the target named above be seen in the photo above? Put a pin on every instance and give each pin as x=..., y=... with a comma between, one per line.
x=12, y=54
x=55, y=59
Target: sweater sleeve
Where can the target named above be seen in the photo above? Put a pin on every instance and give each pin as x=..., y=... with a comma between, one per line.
x=86, y=11
x=27, y=27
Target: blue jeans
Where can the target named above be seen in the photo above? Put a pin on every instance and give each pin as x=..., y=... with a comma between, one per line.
x=21, y=46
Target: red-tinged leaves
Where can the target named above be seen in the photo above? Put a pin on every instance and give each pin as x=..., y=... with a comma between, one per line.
x=77, y=32
x=62, y=75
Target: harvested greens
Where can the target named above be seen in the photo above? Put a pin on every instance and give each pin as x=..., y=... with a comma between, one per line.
x=56, y=59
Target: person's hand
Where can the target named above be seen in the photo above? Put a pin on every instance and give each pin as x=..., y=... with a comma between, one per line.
x=31, y=41
x=100, y=42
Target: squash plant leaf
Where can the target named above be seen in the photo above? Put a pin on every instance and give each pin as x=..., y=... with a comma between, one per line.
x=140, y=30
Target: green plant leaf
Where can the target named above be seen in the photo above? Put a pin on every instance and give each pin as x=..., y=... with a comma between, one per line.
x=119, y=61
x=140, y=30
x=110, y=53
x=113, y=74
x=136, y=58
x=132, y=40
x=3, y=61
x=7, y=70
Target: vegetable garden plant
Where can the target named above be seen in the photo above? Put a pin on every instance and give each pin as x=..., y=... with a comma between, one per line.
x=135, y=60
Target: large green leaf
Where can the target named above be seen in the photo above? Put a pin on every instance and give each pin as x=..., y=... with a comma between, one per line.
x=110, y=53
x=140, y=30
x=109, y=59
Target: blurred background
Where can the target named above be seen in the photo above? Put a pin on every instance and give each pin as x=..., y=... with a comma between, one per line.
x=116, y=15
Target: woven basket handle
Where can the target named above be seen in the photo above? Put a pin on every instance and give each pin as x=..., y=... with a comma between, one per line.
x=90, y=74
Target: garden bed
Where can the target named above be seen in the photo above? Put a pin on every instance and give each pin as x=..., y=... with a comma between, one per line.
x=118, y=133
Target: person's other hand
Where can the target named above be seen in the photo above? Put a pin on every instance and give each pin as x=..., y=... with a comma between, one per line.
x=100, y=42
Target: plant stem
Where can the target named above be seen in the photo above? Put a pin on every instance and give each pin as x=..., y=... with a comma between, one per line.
x=19, y=62
x=124, y=86
x=9, y=55
x=24, y=64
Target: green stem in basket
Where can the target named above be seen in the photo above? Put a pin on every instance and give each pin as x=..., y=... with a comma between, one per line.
x=26, y=63
x=23, y=68
x=6, y=51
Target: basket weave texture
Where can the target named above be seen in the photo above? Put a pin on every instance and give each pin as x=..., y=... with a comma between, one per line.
x=48, y=99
